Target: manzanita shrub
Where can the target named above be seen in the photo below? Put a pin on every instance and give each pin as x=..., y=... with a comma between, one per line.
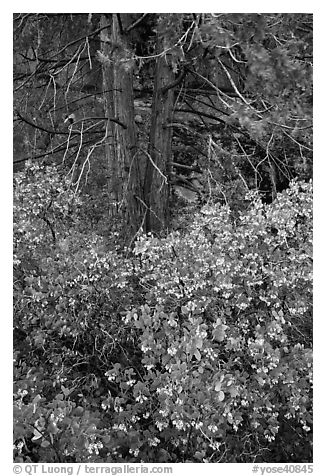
x=195, y=347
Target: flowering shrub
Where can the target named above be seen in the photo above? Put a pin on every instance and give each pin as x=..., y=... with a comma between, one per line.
x=196, y=347
x=230, y=328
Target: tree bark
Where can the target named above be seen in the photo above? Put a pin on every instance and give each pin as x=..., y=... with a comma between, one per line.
x=124, y=183
x=156, y=187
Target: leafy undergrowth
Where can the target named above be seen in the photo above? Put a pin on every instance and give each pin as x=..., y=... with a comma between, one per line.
x=197, y=347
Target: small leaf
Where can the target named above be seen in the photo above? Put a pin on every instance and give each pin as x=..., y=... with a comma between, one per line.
x=36, y=399
x=233, y=391
x=218, y=386
x=45, y=443
x=199, y=454
x=37, y=435
x=65, y=391
x=199, y=343
x=221, y=396
x=52, y=428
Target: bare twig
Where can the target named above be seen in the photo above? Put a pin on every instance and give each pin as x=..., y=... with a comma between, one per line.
x=155, y=166
x=136, y=22
x=175, y=83
x=233, y=84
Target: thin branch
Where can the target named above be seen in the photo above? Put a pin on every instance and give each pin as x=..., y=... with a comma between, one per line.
x=135, y=23
x=111, y=119
x=163, y=53
x=250, y=162
x=202, y=114
x=175, y=83
x=36, y=126
x=154, y=165
x=47, y=221
x=234, y=58
x=79, y=148
x=185, y=167
x=59, y=148
x=298, y=143
x=183, y=126
x=233, y=84
x=218, y=90
x=95, y=32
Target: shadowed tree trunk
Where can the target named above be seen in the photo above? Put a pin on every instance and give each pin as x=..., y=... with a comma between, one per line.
x=124, y=182
x=156, y=187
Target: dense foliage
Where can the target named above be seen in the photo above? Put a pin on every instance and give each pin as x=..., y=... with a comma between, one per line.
x=194, y=346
